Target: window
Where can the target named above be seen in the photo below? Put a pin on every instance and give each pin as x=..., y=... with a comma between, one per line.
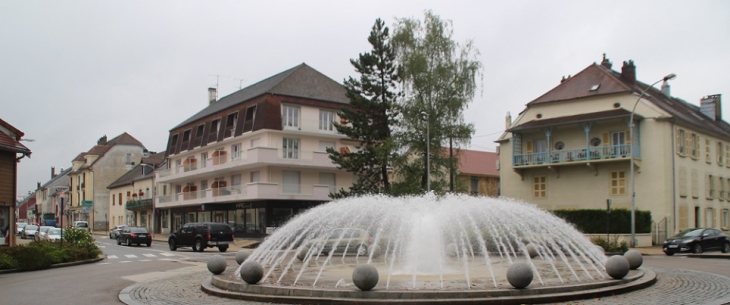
x=255, y=176
x=695, y=141
x=618, y=183
x=290, y=117
x=114, y=201
x=727, y=190
x=231, y=124
x=720, y=154
x=249, y=120
x=120, y=198
x=681, y=140
x=236, y=151
x=199, y=135
x=540, y=150
x=618, y=141
x=708, y=154
x=203, y=188
x=323, y=145
x=173, y=143
x=474, y=189
x=721, y=188
x=213, y=135
x=236, y=183
x=725, y=218
x=186, y=139
x=710, y=188
x=326, y=118
x=327, y=179
x=203, y=159
x=291, y=182
x=539, y=187
x=256, y=142
x=695, y=184
x=727, y=155
x=290, y=148
x=683, y=181
x=709, y=218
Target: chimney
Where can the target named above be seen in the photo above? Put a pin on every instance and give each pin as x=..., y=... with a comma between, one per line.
x=212, y=95
x=53, y=172
x=507, y=121
x=39, y=186
x=628, y=71
x=666, y=89
x=711, y=106
x=606, y=63
x=102, y=141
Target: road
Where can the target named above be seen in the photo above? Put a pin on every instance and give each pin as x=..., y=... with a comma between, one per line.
x=100, y=283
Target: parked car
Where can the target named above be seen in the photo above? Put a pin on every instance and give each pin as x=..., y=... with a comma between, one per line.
x=696, y=241
x=201, y=235
x=134, y=235
x=352, y=240
x=114, y=232
x=84, y=225
x=29, y=231
x=19, y=227
x=53, y=234
x=41, y=233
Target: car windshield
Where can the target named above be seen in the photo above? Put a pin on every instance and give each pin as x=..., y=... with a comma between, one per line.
x=82, y=225
x=31, y=227
x=138, y=230
x=690, y=233
x=54, y=232
x=22, y=225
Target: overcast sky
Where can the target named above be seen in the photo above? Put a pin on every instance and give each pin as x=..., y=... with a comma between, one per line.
x=73, y=71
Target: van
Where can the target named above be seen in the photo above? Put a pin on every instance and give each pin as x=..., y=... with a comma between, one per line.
x=84, y=225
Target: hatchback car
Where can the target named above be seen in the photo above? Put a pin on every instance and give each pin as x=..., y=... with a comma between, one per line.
x=696, y=241
x=19, y=226
x=54, y=234
x=40, y=235
x=29, y=231
x=134, y=235
x=114, y=232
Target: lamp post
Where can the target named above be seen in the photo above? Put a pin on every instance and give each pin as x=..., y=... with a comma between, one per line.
x=60, y=208
x=631, y=155
x=425, y=117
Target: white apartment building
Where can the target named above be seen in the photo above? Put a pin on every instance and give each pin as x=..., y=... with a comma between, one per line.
x=257, y=157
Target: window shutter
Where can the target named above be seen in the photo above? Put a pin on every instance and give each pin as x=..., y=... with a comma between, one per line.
x=687, y=144
x=528, y=147
x=606, y=139
x=727, y=155
x=697, y=146
x=677, y=141
x=707, y=187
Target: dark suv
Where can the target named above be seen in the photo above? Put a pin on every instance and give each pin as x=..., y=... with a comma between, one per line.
x=201, y=235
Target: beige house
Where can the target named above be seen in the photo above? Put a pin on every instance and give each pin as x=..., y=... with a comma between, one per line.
x=478, y=173
x=132, y=195
x=257, y=157
x=93, y=171
x=571, y=149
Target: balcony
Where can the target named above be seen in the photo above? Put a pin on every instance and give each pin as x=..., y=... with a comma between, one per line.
x=139, y=204
x=251, y=191
x=568, y=156
x=251, y=158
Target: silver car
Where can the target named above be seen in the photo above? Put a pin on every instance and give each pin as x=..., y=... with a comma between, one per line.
x=114, y=232
x=29, y=231
x=40, y=235
x=54, y=234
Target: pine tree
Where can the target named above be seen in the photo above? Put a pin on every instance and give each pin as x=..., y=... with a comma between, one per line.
x=368, y=119
x=439, y=77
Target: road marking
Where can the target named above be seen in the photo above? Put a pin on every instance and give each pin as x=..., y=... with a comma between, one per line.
x=167, y=254
x=125, y=261
x=131, y=256
x=145, y=260
x=104, y=263
x=101, y=246
x=149, y=255
x=112, y=256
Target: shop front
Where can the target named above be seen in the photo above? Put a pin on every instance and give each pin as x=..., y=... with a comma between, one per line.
x=141, y=212
x=255, y=219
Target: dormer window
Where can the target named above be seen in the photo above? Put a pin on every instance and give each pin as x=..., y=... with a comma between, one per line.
x=213, y=135
x=186, y=138
x=249, y=119
x=231, y=124
x=173, y=144
x=199, y=135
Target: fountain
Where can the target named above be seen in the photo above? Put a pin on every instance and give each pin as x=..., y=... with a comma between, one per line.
x=452, y=247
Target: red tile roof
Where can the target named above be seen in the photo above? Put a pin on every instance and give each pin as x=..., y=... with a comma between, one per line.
x=8, y=142
x=474, y=162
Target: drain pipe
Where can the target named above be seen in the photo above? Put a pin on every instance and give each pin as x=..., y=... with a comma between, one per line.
x=674, y=182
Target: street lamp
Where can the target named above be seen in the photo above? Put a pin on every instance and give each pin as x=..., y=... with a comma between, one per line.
x=631, y=154
x=425, y=117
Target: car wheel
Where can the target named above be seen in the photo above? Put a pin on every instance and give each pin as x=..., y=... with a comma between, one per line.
x=362, y=250
x=669, y=253
x=172, y=244
x=110, y=236
x=222, y=248
x=149, y=244
x=198, y=245
x=726, y=247
x=697, y=249
x=119, y=242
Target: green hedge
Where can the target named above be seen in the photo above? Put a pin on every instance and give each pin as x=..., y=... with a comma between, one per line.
x=594, y=221
x=79, y=246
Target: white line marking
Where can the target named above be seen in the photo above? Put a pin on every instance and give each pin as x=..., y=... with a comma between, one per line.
x=131, y=256
x=149, y=255
x=104, y=263
x=112, y=256
x=167, y=254
x=145, y=260
x=125, y=261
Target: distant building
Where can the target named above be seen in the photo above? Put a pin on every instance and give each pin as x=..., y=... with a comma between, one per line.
x=257, y=157
x=11, y=153
x=47, y=195
x=478, y=172
x=571, y=149
x=93, y=171
x=132, y=195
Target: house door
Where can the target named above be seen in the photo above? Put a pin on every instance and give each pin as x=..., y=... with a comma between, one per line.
x=540, y=150
x=697, y=217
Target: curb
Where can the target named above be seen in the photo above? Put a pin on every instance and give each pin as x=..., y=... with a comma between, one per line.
x=124, y=295
x=61, y=265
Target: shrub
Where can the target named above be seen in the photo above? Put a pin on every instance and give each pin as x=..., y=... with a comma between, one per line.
x=6, y=261
x=43, y=254
x=611, y=245
x=594, y=221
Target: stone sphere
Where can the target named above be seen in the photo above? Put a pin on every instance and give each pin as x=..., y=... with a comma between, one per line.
x=217, y=264
x=635, y=259
x=302, y=252
x=531, y=250
x=241, y=256
x=452, y=250
x=617, y=266
x=251, y=272
x=375, y=250
x=601, y=249
x=519, y=275
x=365, y=277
